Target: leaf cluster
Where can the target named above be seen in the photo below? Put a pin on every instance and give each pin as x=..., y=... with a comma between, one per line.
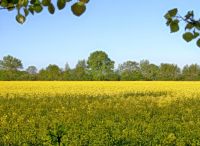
x=192, y=27
x=25, y=7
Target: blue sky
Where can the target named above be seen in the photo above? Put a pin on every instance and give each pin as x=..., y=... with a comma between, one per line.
x=126, y=30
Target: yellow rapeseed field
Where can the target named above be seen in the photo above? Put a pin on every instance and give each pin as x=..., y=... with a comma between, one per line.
x=99, y=113
x=167, y=90
x=29, y=88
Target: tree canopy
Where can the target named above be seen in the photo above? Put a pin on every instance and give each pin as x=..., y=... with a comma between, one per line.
x=10, y=63
x=100, y=65
x=130, y=71
x=25, y=7
x=31, y=70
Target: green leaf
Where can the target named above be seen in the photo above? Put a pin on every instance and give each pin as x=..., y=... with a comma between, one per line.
x=38, y=8
x=25, y=3
x=173, y=12
x=189, y=14
x=195, y=35
x=10, y=6
x=33, y=1
x=174, y=27
x=20, y=18
x=26, y=12
x=61, y=4
x=188, y=36
x=15, y=1
x=46, y=2
x=197, y=25
x=51, y=9
x=169, y=21
x=31, y=9
x=189, y=26
x=198, y=42
x=176, y=21
x=78, y=8
x=167, y=16
x=84, y=1
x=4, y=3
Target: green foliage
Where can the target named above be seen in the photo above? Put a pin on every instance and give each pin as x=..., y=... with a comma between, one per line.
x=51, y=9
x=174, y=27
x=20, y=18
x=130, y=71
x=169, y=72
x=80, y=72
x=173, y=12
x=13, y=75
x=191, y=72
x=192, y=26
x=61, y=4
x=198, y=43
x=149, y=71
x=100, y=65
x=31, y=70
x=24, y=7
x=56, y=134
x=10, y=63
x=78, y=8
x=188, y=36
x=52, y=72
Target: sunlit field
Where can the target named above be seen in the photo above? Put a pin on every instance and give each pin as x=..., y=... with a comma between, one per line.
x=100, y=113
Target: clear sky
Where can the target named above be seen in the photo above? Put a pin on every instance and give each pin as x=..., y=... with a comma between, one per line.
x=125, y=29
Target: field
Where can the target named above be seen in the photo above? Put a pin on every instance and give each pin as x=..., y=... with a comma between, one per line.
x=100, y=113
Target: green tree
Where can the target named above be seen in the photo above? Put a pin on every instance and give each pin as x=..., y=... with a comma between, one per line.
x=113, y=76
x=42, y=74
x=10, y=63
x=100, y=65
x=130, y=71
x=13, y=75
x=191, y=72
x=149, y=71
x=169, y=72
x=80, y=71
x=192, y=25
x=31, y=73
x=67, y=67
x=31, y=70
x=25, y=7
x=51, y=73
x=67, y=74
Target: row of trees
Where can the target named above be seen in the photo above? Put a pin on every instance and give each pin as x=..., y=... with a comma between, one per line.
x=98, y=67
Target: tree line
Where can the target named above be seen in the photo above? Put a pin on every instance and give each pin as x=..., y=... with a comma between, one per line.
x=98, y=67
